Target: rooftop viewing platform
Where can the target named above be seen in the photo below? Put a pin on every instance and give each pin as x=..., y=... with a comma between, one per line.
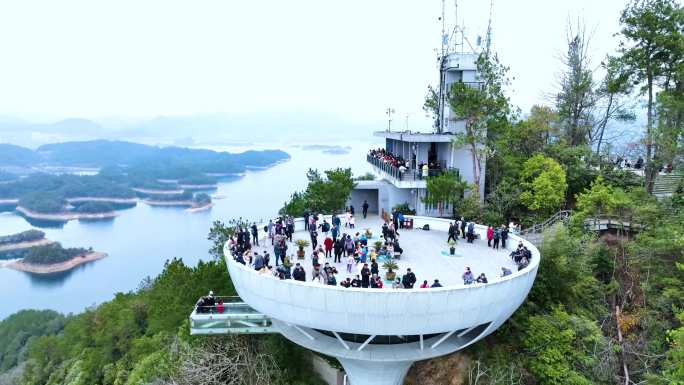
x=415, y=137
x=399, y=170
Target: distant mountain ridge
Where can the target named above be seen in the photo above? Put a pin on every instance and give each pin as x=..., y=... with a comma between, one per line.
x=11, y=155
x=126, y=170
x=101, y=153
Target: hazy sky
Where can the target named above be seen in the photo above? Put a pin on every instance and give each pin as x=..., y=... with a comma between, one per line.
x=352, y=58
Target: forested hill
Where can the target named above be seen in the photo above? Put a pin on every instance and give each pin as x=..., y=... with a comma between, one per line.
x=141, y=337
x=124, y=167
x=11, y=155
x=100, y=153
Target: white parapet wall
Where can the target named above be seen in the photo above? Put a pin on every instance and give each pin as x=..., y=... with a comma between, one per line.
x=432, y=322
x=387, y=312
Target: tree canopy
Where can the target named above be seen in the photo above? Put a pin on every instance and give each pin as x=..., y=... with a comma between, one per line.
x=323, y=194
x=543, y=182
x=444, y=190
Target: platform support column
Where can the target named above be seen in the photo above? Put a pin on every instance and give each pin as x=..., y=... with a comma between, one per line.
x=375, y=372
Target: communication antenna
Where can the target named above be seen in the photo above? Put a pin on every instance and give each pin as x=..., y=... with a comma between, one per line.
x=489, y=29
x=456, y=20
x=444, y=37
x=389, y=111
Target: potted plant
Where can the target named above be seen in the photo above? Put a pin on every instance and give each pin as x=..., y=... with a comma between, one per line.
x=452, y=247
x=378, y=245
x=368, y=233
x=301, y=243
x=390, y=266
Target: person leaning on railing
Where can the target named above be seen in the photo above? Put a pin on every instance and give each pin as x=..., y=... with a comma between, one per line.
x=206, y=304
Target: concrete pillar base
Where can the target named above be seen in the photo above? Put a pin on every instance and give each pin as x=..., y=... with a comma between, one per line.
x=375, y=372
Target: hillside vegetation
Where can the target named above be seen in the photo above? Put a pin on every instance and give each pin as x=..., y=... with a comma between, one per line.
x=141, y=337
x=606, y=308
x=24, y=236
x=52, y=253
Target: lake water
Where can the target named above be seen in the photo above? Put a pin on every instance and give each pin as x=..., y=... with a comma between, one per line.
x=141, y=239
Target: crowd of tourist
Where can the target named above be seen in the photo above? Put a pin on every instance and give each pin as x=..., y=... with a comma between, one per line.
x=495, y=235
x=402, y=165
x=521, y=256
x=350, y=251
x=638, y=164
x=390, y=159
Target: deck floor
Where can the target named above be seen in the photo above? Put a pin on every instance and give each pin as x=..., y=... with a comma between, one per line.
x=425, y=252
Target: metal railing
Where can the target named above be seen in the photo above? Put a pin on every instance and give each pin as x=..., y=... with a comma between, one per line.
x=229, y=316
x=561, y=216
x=597, y=223
x=473, y=85
x=408, y=174
x=221, y=302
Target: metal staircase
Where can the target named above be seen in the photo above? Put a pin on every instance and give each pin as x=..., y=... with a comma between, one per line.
x=535, y=233
x=231, y=317
x=666, y=184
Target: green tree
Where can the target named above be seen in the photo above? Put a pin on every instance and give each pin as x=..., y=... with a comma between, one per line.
x=296, y=206
x=674, y=365
x=651, y=49
x=576, y=99
x=611, y=97
x=323, y=194
x=431, y=106
x=20, y=329
x=329, y=194
x=481, y=107
x=512, y=144
x=567, y=349
x=543, y=182
x=501, y=203
x=444, y=190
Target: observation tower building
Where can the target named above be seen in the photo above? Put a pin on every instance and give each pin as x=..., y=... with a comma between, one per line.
x=403, y=165
x=378, y=333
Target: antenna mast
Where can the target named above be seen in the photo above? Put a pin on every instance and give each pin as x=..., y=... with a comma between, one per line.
x=445, y=38
x=489, y=29
x=442, y=57
x=456, y=19
x=449, y=45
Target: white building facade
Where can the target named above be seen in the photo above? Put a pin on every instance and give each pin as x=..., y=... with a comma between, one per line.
x=436, y=149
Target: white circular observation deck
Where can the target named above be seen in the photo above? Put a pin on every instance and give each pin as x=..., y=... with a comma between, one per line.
x=453, y=308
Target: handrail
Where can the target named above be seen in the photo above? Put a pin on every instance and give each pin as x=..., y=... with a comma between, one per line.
x=561, y=215
x=410, y=173
x=564, y=215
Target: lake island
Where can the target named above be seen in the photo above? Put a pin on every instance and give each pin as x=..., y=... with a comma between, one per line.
x=126, y=173
x=31, y=252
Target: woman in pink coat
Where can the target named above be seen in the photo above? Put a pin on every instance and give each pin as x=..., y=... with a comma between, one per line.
x=490, y=236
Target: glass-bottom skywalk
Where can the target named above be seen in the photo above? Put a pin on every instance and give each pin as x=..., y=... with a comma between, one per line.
x=229, y=316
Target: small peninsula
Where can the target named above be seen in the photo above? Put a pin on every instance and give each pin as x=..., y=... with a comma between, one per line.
x=30, y=251
x=126, y=173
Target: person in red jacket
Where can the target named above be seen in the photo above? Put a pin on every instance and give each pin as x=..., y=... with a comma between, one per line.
x=490, y=236
x=328, y=244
